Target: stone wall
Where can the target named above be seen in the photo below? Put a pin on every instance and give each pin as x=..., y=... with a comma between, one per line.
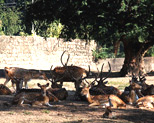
x=37, y=53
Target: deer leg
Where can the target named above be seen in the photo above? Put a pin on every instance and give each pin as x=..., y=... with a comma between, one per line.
x=26, y=85
x=48, y=104
x=19, y=85
x=94, y=104
x=6, y=81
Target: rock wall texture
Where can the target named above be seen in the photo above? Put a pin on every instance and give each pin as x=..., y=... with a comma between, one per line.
x=37, y=53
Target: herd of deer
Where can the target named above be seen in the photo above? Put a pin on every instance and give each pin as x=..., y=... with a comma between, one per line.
x=138, y=93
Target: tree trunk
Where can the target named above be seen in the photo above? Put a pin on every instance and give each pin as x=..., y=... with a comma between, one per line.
x=134, y=53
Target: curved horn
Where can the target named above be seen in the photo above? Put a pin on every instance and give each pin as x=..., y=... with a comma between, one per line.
x=62, y=58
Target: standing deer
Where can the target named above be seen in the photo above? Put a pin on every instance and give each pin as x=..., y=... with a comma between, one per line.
x=35, y=97
x=68, y=74
x=25, y=74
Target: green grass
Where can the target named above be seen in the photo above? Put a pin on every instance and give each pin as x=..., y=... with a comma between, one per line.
x=45, y=111
x=27, y=113
x=119, y=85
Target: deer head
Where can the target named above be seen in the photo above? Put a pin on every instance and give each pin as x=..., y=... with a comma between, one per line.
x=43, y=88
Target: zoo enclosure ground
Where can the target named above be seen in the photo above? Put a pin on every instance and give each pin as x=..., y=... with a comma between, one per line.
x=70, y=111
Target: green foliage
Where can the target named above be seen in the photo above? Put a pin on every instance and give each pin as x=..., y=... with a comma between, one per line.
x=10, y=18
x=104, y=20
x=54, y=29
x=150, y=52
x=102, y=53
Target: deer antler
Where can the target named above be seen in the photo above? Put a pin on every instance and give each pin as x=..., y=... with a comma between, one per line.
x=101, y=73
x=62, y=60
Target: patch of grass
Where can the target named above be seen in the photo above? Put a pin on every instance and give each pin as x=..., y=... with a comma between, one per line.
x=119, y=85
x=27, y=113
x=45, y=111
x=11, y=113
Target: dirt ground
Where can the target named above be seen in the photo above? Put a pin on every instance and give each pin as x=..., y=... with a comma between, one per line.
x=71, y=111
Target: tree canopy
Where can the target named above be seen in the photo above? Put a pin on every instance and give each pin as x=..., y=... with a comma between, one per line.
x=102, y=20
x=106, y=21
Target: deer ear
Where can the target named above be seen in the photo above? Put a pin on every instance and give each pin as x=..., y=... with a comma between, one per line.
x=38, y=84
x=47, y=84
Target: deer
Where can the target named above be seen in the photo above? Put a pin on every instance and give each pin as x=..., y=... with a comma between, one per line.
x=96, y=100
x=104, y=99
x=20, y=73
x=101, y=83
x=57, y=90
x=35, y=97
x=146, y=89
x=67, y=73
x=4, y=90
x=145, y=102
x=131, y=93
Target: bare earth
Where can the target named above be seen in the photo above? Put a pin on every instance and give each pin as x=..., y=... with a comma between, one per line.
x=70, y=111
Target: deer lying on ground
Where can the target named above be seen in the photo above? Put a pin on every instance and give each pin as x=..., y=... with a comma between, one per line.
x=101, y=85
x=145, y=102
x=146, y=89
x=33, y=98
x=4, y=90
x=131, y=93
x=65, y=73
x=24, y=74
x=58, y=91
x=106, y=100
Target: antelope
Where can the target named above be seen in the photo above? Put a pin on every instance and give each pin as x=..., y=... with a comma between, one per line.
x=4, y=90
x=107, y=100
x=24, y=74
x=145, y=102
x=68, y=74
x=33, y=98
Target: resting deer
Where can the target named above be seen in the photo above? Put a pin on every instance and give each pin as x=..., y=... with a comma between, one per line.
x=101, y=86
x=24, y=74
x=145, y=102
x=33, y=98
x=131, y=93
x=4, y=90
x=146, y=89
x=68, y=74
x=107, y=100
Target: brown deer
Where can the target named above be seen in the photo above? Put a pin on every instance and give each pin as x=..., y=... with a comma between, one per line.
x=107, y=100
x=101, y=85
x=131, y=93
x=68, y=74
x=146, y=89
x=4, y=90
x=24, y=74
x=37, y=97
x=145, y=102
